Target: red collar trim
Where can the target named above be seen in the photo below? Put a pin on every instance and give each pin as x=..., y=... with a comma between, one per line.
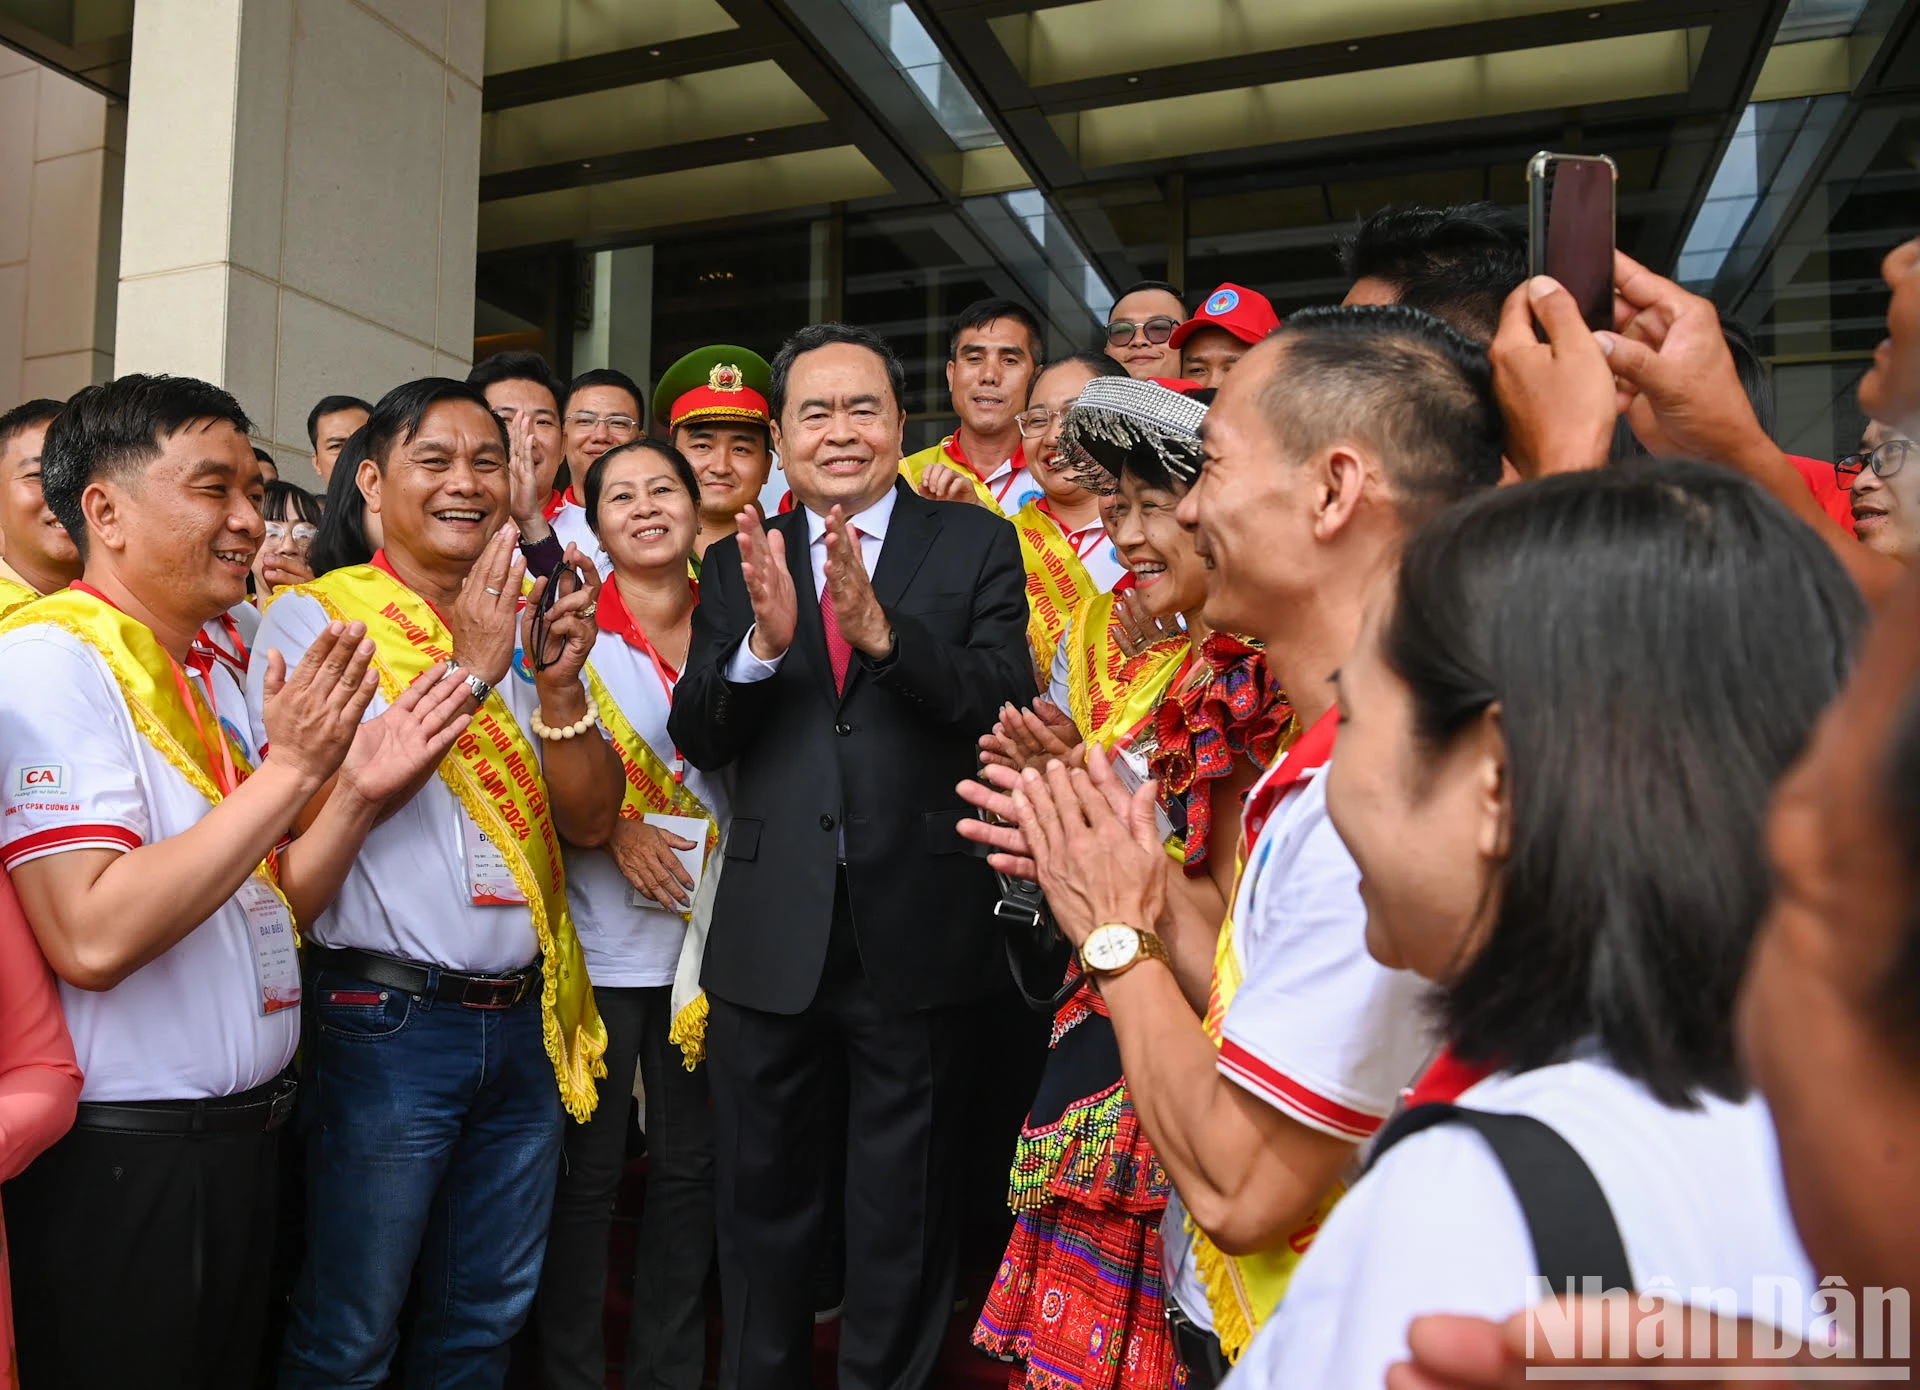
x=205, y=651
x=1045, y=507
x=1309, y=752
x=1446, y=1079
x=559, y=501
x=87, y=588
x=380, y=562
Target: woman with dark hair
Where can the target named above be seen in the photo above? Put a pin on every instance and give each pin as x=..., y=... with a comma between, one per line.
x=1078, y=1301
x=292, y=515
x=635, y=901
x=1561, y=725
x=349, y=534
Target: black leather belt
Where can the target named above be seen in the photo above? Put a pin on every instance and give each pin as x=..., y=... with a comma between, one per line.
x=427, y=981
x=259, y=1110
x=1198, y=1349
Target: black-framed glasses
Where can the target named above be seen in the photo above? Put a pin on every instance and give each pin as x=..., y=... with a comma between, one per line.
x=1036, y=422
x=563, y=581
x=1885, y=461
x=1158, y=329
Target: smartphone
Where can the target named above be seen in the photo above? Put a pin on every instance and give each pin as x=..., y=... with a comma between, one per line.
x=1570, y=223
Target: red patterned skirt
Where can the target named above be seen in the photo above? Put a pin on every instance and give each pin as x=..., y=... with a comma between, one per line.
x=1078, y=1301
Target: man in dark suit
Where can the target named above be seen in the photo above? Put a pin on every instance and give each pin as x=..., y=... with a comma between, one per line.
x=846, y=657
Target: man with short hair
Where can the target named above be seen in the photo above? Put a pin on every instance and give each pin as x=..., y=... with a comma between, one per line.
x=713, y=402
x=1327, y=444
x=1884, y=491
x=146, y=830
x=447, y=988
x=329, y=424
x=1140, y=329
x=993, y=350
x=1458, y=263
x=850, y=927
x=604, y=407
x=1228, y=322
x=37, y=556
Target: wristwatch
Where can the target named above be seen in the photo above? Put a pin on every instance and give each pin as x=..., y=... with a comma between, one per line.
x=1115, y=948
x=477, y=685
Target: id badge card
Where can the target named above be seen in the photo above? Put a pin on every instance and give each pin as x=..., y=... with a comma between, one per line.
x=1131, y=768
x=694, y=860
x=489, y=880
x=276, y=964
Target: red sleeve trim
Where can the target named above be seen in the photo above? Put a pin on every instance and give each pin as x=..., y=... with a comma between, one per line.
x=1284, y=1093
x=61, y=838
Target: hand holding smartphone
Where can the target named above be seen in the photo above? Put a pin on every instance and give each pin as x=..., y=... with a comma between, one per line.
x=1570, y=220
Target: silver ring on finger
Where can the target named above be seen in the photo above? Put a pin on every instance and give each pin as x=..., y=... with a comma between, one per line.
x=494, y=592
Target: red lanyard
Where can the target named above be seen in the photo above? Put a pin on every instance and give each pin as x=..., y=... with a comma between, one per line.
x=999, y=494
x=615, y=617
x=1096, y=532
x=224, y=776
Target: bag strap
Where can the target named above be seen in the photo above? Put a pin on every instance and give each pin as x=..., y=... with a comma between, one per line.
x=1568, y=1217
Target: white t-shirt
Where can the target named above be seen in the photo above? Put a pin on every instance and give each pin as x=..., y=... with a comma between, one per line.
x=78, y=775
x=628, y=946
x=1435, y=1228
x=1318, y=1029
x=408, y=893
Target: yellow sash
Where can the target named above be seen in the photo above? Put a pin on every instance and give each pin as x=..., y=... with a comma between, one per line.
x=145, y=674
x=14, y=595
x=1109, y=692
x=650, y=788
x=914, y=467
x=1243, y=1290
x=495, y=773
x=1057, y=582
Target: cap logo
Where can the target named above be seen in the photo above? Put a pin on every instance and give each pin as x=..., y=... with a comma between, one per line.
x=1223, y=302
x=726, y=377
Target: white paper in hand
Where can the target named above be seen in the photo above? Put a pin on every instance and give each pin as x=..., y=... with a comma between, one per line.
x=694, y=860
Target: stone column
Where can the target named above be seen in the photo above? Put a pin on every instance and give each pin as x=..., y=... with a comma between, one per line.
x=301, y=198
x=621, y=332
x=60, y=164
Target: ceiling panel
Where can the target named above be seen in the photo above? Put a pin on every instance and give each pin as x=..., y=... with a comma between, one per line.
x=1102, y=37
x=647, y=115
x=529, y=33
x=608, y=210
x=1623, y=68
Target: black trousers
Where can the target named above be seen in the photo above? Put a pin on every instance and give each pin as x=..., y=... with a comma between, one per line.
x=142, y=1259
x=772, y=1146
x=667, y=1334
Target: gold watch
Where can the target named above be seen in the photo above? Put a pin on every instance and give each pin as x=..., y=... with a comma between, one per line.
x=1116, y=947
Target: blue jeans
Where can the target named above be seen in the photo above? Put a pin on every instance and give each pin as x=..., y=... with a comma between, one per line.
x=433, y=1144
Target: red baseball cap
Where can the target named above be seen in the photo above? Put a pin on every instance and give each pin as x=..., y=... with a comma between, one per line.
x=1245, y=313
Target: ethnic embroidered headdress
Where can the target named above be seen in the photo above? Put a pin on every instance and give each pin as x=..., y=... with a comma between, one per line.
x=1116, y=416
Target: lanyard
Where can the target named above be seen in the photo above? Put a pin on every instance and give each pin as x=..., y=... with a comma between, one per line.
x=1000, y=493
x=617, y=618
x=1094, y=533
x=224, y=776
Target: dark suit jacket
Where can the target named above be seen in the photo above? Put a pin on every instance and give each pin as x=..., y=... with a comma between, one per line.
x=883, y=759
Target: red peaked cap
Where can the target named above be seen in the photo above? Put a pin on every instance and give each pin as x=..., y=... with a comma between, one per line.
x=1245, y=313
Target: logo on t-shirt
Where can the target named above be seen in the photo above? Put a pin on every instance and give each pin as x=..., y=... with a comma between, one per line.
x=39, y=777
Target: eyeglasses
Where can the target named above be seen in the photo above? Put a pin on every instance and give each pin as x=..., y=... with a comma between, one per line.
x=1885, y=461
x=619, y=426
x=299, y=532
x=1036, y=422
x=565, y=581
x=1158, y=329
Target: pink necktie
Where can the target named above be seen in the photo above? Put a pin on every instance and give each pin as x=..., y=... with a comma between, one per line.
x=839, y=649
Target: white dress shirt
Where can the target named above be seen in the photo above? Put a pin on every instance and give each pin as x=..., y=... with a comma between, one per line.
x=745, y=667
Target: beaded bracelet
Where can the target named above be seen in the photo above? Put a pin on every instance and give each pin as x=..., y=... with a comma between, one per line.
x=573, y=730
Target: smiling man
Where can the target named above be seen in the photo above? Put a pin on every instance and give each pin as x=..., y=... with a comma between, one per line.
x=1885, y=491
x=446, y=984
x=146, y=830
x=992, y=353
x=845, y=658
x=714, y=402
x=37, y=556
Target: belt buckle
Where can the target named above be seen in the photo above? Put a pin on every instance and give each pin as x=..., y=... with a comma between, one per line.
x=1018, y=913
x=281, y=1106
x=491, y=994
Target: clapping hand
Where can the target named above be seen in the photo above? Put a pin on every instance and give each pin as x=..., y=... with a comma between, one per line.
x=1557, y=396
x=312, y=715
x=646, y=859
x=1032, y=738
x=861, y=619
x=389, y=752
x=942, y=483
x=763, y=568
x=1135, y=629
x=483, y=617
